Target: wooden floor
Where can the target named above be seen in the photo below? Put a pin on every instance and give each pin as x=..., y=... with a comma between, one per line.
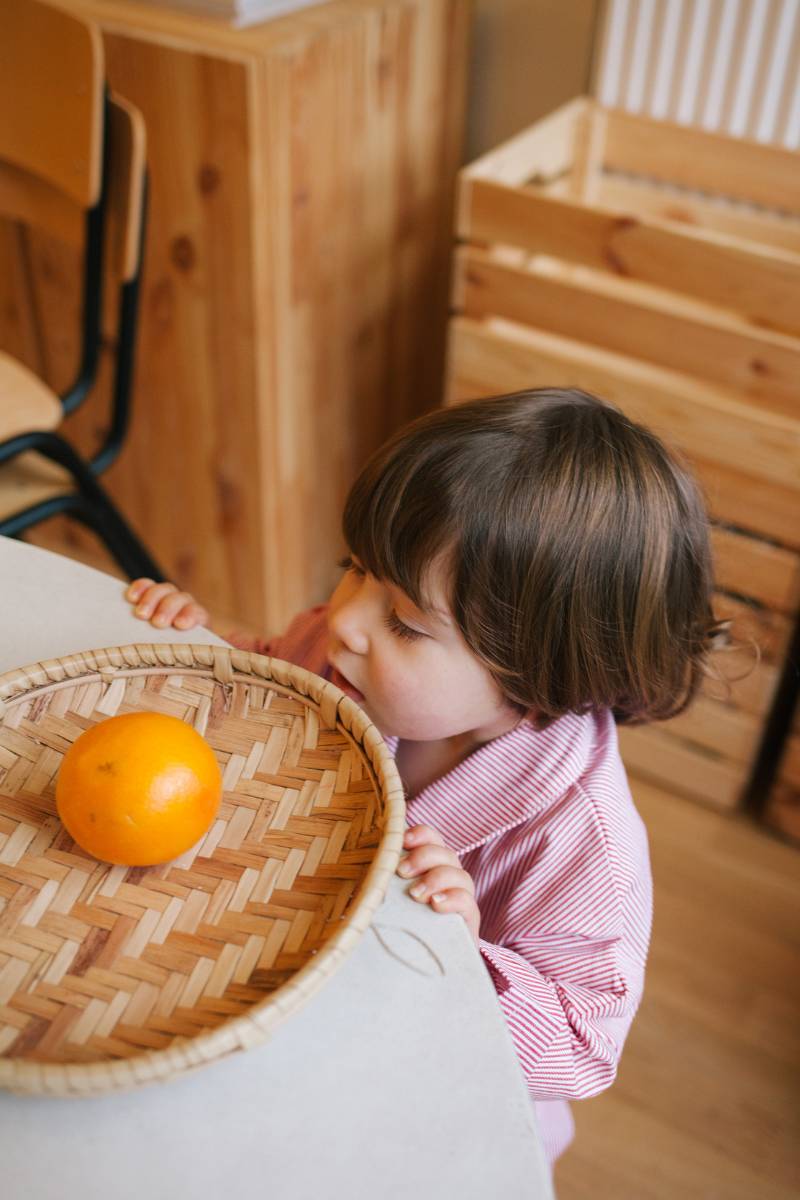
x=706, y=1105
x=707, y=1102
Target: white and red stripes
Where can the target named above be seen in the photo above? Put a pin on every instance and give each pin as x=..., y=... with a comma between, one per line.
x=545, y=825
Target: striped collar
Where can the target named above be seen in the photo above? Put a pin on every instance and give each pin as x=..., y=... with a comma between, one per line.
x=509, y=780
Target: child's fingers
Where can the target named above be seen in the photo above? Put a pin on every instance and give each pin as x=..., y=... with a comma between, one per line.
x=441, y=879
x=137, y=589
x=150, y=599
x=169, y=607
x=456, y=900
x=191, y=615
x=425, y=858
x=422, y=835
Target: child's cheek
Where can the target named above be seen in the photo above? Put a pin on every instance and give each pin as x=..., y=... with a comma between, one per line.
x=401, y=698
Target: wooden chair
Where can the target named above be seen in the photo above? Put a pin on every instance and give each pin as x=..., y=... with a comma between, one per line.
x=72, y=162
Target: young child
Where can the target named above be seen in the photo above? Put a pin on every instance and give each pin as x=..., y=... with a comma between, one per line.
x=524, y=572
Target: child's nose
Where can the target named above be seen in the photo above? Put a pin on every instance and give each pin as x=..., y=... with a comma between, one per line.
x=347, y=624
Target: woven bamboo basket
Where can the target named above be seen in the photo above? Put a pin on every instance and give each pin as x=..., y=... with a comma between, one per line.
x=115, y=977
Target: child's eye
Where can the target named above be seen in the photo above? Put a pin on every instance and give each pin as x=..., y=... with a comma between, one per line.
x=347, y=564
x=403, y=631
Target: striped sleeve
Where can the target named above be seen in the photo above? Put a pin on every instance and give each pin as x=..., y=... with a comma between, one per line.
x=567, y=949
x=558, y=1028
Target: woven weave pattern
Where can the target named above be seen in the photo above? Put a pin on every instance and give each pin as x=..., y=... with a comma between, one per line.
x=105, y=962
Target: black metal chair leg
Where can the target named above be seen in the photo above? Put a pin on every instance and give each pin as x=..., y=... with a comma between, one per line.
x=104, y=519
x=90, y=505
x=776, y=730
x=114, y=531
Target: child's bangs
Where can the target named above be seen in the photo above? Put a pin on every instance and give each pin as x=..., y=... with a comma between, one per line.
x=399, y=519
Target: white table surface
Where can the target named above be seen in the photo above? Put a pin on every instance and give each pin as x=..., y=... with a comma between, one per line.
x=398, y=1078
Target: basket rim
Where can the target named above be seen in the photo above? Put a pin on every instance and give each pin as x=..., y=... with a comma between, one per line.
x=253, y=1027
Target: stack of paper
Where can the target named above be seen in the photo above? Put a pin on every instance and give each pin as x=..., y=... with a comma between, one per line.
x=238, y=12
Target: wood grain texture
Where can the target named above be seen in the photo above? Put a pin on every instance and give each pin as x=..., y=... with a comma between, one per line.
x=584, y=177
x=126, y=198
x=707, y=162
x=25, y=401
x=543, y=152
x=618, y=193
x=749, y=566
x=714, y=423
x=296, y=277
x=647, y=323
x=488, y=367
x=24, y=198
x=750, y=503
x=758, y=280
x=705, y=1102
x=688, y=768
x=51, y=62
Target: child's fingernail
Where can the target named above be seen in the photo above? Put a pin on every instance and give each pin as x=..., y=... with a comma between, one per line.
x=404, y=868
x=438, y=898
x=417, y=890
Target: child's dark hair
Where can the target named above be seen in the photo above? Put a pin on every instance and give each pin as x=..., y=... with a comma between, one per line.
x=576, y=545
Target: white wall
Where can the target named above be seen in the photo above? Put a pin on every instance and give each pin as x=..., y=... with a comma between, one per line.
x=528, y=56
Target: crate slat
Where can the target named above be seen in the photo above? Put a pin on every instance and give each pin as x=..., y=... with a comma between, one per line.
x=756, y=569
x=708, y=723
x=701, y=775
x=694, y=158
x=659, y=327
x=761, y=281
x=620, y=194
x=711, y=422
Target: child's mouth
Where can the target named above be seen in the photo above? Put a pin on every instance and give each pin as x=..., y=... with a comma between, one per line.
x=339, y=681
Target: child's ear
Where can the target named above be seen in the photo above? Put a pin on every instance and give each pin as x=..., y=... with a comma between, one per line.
x=532, y=717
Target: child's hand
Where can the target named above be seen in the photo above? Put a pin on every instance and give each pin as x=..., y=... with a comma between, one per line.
x=163, y=605
x=443, y=883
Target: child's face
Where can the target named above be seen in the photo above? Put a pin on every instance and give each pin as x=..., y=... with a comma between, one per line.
x=409, y=669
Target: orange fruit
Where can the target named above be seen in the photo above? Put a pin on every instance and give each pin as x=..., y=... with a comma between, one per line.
x=138, y=789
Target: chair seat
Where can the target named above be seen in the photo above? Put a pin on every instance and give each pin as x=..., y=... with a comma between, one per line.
x=27, y=480
x=27, y=404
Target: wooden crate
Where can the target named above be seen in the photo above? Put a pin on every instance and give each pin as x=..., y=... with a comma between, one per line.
x=703, y=215
x=571, y=275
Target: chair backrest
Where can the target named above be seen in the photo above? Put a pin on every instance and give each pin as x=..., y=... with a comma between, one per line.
x=72, y=157
x=51, y=118
x=127, y=168
x=32, y=201
x=725, y=66
x=51, y=98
